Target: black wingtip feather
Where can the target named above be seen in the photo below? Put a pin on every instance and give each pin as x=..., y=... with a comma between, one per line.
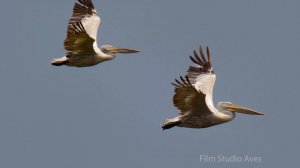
x=183, y=82
x=203, y=62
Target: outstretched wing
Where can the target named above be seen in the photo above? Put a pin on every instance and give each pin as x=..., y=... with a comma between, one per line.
x=188, y=99
x=82, y=29
x=202, y=75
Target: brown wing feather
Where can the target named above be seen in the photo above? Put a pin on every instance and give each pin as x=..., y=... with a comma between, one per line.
x=84, y=8
x=187, y=98
x=203, y=65
x=78, y=41
x=202, y=74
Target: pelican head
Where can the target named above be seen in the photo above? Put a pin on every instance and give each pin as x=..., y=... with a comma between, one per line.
x=231, y=107
x=111, y=50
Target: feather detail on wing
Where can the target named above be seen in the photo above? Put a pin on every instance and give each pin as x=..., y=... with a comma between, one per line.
x=82, y=29
x=187, y=98
x=78, y=42
x=202, y=75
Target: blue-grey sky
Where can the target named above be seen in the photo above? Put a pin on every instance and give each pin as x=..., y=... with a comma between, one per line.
x=109, y=115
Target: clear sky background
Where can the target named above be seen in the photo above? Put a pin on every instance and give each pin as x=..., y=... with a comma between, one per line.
x=109, y=115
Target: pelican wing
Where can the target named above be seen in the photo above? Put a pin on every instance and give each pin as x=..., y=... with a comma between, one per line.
x=82, y=29
x=202, y=75
x=188, y=99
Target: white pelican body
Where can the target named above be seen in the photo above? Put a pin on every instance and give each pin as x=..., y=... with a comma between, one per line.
x=81, y=40
x=193, y=97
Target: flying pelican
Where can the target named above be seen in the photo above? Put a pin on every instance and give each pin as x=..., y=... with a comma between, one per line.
x=193, y=97
x=81, y=40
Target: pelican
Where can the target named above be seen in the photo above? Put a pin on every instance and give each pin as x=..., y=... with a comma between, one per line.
x=193, y=97
x=81, y=40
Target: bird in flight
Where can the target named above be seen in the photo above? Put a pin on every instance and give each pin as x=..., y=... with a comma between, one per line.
x=81, y=40
x=193, y=97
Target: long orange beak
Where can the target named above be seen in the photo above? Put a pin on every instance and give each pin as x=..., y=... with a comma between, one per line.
x=122, y=50
x=244, y=110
